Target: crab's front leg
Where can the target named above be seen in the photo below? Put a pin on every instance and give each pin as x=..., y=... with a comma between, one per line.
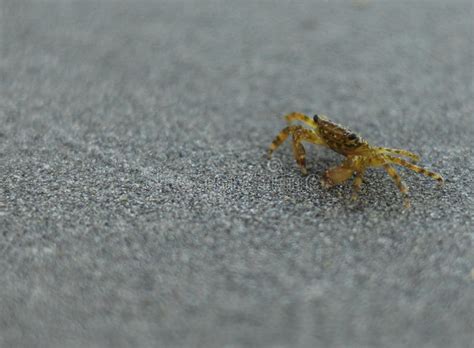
x=337, y=175
x=357, y=184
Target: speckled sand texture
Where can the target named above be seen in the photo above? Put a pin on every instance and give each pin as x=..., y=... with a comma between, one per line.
x=136, y=209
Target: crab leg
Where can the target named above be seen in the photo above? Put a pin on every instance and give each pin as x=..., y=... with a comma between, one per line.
x=300, y=135
x=296, y=116
x=357, y=184
x=300, y=154
x=400, y=152
x=398, y=181
x=281, y=137
x=415, y=168
x=337, y=175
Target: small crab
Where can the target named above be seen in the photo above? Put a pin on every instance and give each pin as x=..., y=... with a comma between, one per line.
x=359, y=154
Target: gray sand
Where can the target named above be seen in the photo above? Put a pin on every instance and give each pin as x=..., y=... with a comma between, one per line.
x=135, y=206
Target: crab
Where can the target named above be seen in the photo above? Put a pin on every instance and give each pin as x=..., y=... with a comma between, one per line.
x=359, y=154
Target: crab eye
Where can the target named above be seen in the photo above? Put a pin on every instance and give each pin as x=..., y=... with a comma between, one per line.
x=352, y=136
x=316, y=118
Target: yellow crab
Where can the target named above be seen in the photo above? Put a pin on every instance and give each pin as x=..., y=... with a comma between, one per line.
x=359, y=154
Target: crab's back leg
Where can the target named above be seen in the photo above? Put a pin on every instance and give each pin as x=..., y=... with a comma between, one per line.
x=299, y=153
x=296, y=116
x=398, y=181
x=299, y=135
x=400, y=152
x=281, y=137
x=415, y=168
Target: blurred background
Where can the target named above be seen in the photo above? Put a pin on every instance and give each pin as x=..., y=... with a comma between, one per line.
x=136, y=208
